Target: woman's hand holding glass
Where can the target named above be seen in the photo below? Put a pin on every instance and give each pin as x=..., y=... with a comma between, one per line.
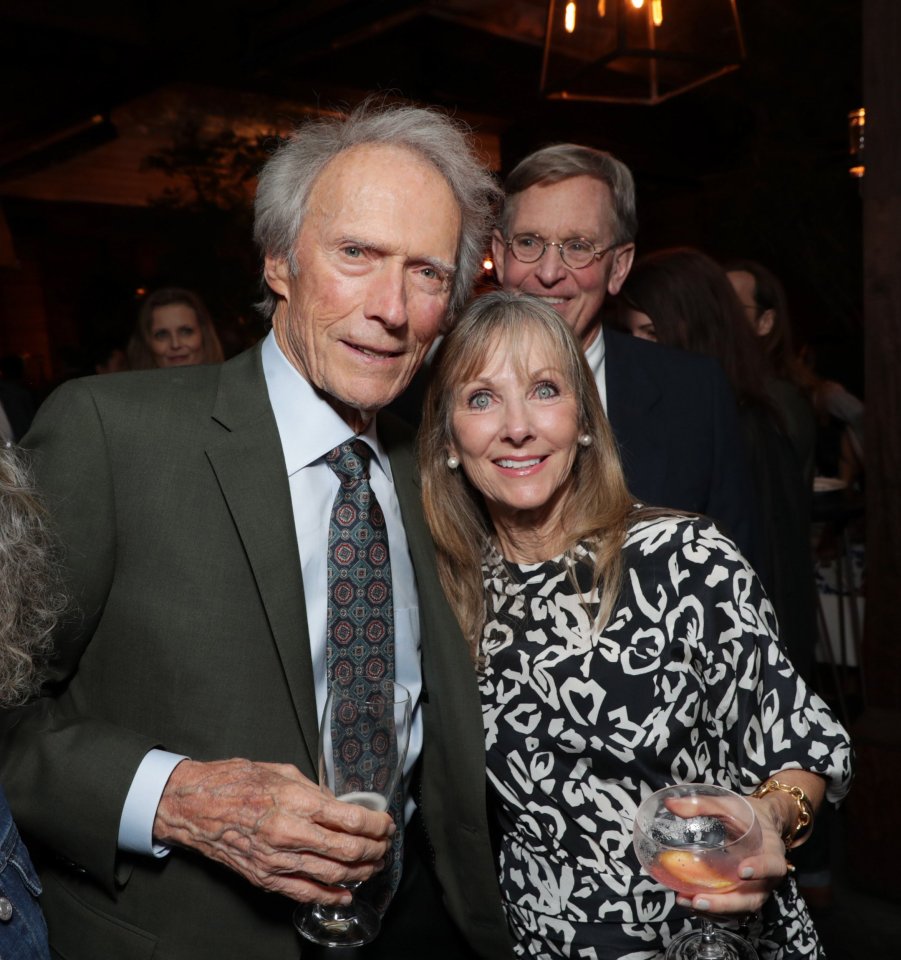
x=760, y=872
x=698, y=839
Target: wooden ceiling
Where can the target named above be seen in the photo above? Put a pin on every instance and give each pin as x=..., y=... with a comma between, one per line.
x=65, y=68
x=752, y=163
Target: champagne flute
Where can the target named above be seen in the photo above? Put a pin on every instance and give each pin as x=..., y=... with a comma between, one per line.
x=691, y=837
x=363, y=743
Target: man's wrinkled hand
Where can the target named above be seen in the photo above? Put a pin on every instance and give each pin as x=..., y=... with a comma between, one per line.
x=273, y=826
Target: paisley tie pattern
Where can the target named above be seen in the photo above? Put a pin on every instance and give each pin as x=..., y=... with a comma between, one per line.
x=360, y=649
x=360, y=609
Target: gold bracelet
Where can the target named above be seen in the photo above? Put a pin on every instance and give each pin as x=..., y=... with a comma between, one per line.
x=805, y=809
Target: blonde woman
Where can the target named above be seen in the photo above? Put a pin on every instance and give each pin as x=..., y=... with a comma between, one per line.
x=618, y=649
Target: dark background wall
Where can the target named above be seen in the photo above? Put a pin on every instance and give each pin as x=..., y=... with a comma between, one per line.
x=752, y=164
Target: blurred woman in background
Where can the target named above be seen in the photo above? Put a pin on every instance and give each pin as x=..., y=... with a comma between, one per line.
x=788, y=384
x=174, y=329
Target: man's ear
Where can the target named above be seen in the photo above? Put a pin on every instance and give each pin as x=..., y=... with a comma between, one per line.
x=277, y=275
x=765, y=321
x=498, y=252
x=622, y=264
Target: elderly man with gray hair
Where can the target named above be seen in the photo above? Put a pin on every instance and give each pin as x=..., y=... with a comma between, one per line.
x=566, y=235
x=169, y=769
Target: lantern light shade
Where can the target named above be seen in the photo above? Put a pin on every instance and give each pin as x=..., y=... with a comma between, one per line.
x=623, y=53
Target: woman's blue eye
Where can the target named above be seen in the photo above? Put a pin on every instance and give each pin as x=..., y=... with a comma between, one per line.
x=545, y=391
x=479, y=401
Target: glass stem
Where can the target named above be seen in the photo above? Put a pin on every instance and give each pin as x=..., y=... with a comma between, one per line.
x=710, y=947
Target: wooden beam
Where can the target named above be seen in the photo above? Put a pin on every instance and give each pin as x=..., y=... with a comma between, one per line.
x=881, y=189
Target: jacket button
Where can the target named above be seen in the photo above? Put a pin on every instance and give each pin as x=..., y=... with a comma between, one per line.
x=6, y=910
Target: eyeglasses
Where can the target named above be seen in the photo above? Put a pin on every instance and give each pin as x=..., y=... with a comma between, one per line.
x=577, y=252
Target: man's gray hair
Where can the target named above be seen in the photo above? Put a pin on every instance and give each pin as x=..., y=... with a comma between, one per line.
x=31, y=599
x=562, y=161
x=287, y=179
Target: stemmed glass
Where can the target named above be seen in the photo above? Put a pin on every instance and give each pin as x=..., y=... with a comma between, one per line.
x=691, y=837
x=362, y=747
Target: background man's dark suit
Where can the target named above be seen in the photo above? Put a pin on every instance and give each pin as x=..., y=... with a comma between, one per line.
x=674, y=418
x=170, y=492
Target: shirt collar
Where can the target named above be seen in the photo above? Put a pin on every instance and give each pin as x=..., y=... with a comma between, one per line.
x=596, y=355
x=596, y=351
x=308, y=426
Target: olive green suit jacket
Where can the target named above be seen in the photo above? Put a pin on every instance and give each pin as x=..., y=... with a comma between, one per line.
x=169, y=491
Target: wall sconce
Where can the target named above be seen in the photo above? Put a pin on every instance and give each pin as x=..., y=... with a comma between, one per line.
x=637, y=51
x=857, y=120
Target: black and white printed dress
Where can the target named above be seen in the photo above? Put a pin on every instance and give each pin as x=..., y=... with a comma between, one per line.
x=687, y=682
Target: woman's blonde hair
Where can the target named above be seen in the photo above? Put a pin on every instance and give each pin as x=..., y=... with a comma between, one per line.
x=141, y=357
x=597, y=508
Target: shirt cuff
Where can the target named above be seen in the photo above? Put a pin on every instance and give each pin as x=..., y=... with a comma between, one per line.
x=139, y=811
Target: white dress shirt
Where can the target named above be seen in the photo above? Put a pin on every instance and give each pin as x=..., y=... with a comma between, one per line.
x=6, y=429
x=596, y=355
x=308, y=428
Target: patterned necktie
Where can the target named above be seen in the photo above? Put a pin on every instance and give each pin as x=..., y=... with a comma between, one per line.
x=360, y=648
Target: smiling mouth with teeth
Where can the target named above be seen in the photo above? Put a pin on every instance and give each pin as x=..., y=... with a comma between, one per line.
x=519, y=464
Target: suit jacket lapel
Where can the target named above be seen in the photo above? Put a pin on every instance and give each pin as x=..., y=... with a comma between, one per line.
x=409, y=495
x=632, y=396
x=403, y=473
x=250, y=468
x=446, y=668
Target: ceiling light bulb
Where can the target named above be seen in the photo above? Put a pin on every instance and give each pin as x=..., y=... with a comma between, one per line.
x=569, y=17
x=657, y=12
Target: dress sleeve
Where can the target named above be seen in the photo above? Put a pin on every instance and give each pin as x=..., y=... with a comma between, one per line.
x=764, y=715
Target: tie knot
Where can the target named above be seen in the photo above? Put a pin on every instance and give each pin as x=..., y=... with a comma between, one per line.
x=350, y=461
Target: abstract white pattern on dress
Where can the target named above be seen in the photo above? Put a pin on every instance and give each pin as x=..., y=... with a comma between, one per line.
x=687, y=682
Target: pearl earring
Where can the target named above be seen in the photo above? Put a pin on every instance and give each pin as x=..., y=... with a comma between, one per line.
x=453, y=462
x=585, y=440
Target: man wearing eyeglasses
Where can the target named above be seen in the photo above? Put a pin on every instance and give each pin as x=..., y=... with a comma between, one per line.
x=566, y=235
